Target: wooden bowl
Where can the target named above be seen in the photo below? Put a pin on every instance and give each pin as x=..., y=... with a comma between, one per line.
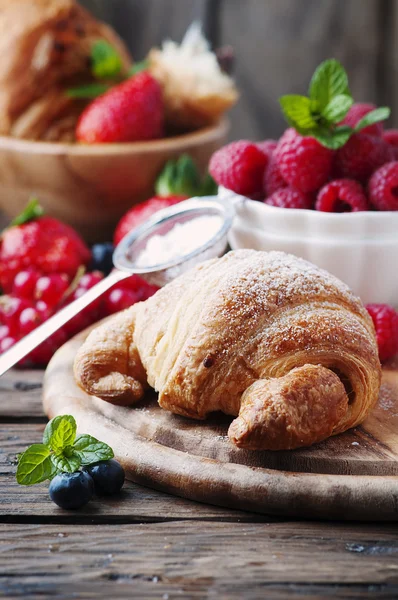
x=91, y=187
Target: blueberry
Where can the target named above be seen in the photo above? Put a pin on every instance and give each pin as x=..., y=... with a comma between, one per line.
x=71, y=490
x=101, y=257
x=108, y=477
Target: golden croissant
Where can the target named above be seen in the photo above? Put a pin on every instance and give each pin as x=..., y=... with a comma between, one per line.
x=266, y=337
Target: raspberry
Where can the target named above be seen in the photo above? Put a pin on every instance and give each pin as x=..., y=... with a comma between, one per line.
x=385, y=320
x=303, y=162
x=273, y=179
x=391, y=137
x=361, y=156
x=289, y=198
x=239, y=167
x=342, y=195
x=267, y=147
x=383, y=187
x=357, y=112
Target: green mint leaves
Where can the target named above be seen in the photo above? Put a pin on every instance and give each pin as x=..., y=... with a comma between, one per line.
x=60, y=452
x=328, y=103
x=106, y=62
x=106, y=67
x=181, y=177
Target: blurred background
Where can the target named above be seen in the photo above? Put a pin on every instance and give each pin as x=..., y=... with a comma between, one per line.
x=277, y=43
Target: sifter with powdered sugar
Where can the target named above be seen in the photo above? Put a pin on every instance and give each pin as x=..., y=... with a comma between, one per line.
x=169, y=243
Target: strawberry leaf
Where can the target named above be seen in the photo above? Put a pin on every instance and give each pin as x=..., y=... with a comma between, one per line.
x=89, y=91
x=106, y=62
x=297, y=112
x=375, y=116
x=337, y=108
x=179, y=178
x=329, y=80
x=32, y=211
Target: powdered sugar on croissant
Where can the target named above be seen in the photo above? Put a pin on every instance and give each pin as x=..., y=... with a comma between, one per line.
x=266, y=337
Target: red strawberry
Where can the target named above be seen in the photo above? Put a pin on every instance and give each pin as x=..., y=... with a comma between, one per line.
x=45, y=244
x=141, y=212
x=129, y=112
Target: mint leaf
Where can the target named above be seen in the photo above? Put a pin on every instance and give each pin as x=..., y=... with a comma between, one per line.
x=32, y=211
x=337, y=108
x=91, y=450
x=68, y=461
x=329, y=80
x=90, y=90
x=35, y=465
x=60, y=432
x=297, y=112
x=375, y=116
x=138, y=68
x=106, y=61
x=333, y=138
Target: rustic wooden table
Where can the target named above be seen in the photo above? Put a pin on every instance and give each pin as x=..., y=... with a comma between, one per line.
x=145, y=544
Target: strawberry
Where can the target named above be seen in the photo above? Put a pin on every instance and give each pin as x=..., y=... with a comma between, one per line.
x=129, y=112
x=179, y=180
x=41, y=242
x=141, y=212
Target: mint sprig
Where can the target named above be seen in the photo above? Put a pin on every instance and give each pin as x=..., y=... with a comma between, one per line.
x=60, y=452
x=106, y=62
x=181, y=177
x=328, y=102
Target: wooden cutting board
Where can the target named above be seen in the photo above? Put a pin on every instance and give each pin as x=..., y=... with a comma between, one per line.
x=350, y=476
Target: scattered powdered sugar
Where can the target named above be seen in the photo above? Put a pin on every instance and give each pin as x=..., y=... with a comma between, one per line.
x=181, y=240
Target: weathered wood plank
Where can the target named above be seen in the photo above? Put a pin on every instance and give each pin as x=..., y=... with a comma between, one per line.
x=20, y=395
x=278, y=44
x=135, y=504
x=180, y=559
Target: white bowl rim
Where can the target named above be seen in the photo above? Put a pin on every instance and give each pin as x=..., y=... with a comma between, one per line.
x=186, y=140
x=313, y=214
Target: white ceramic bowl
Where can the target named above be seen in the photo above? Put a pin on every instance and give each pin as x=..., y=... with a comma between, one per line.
x=359, y=248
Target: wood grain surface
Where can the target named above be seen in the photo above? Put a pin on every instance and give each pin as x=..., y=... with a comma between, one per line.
x=349, y=476
x=147, y=544
x=180, y=560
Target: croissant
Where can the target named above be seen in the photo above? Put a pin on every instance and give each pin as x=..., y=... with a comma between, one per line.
x=45, y=47
x=266, y=337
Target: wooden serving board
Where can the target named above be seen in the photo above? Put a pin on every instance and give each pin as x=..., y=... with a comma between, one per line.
x=350, y=476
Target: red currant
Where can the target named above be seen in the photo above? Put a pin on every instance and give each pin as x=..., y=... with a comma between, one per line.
x=51, y=288
x=88, y=280
x=119, y=299
x=29, y=319
x=4, y=332
x=24, y=283
x=10, y=309
x=6, y=343
x=44, y=310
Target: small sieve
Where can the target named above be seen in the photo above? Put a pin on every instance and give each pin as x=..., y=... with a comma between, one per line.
x=126, y=262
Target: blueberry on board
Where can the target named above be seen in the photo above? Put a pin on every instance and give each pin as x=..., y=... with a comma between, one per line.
x=108, y=477
x=71, y=490
x=101, y=257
